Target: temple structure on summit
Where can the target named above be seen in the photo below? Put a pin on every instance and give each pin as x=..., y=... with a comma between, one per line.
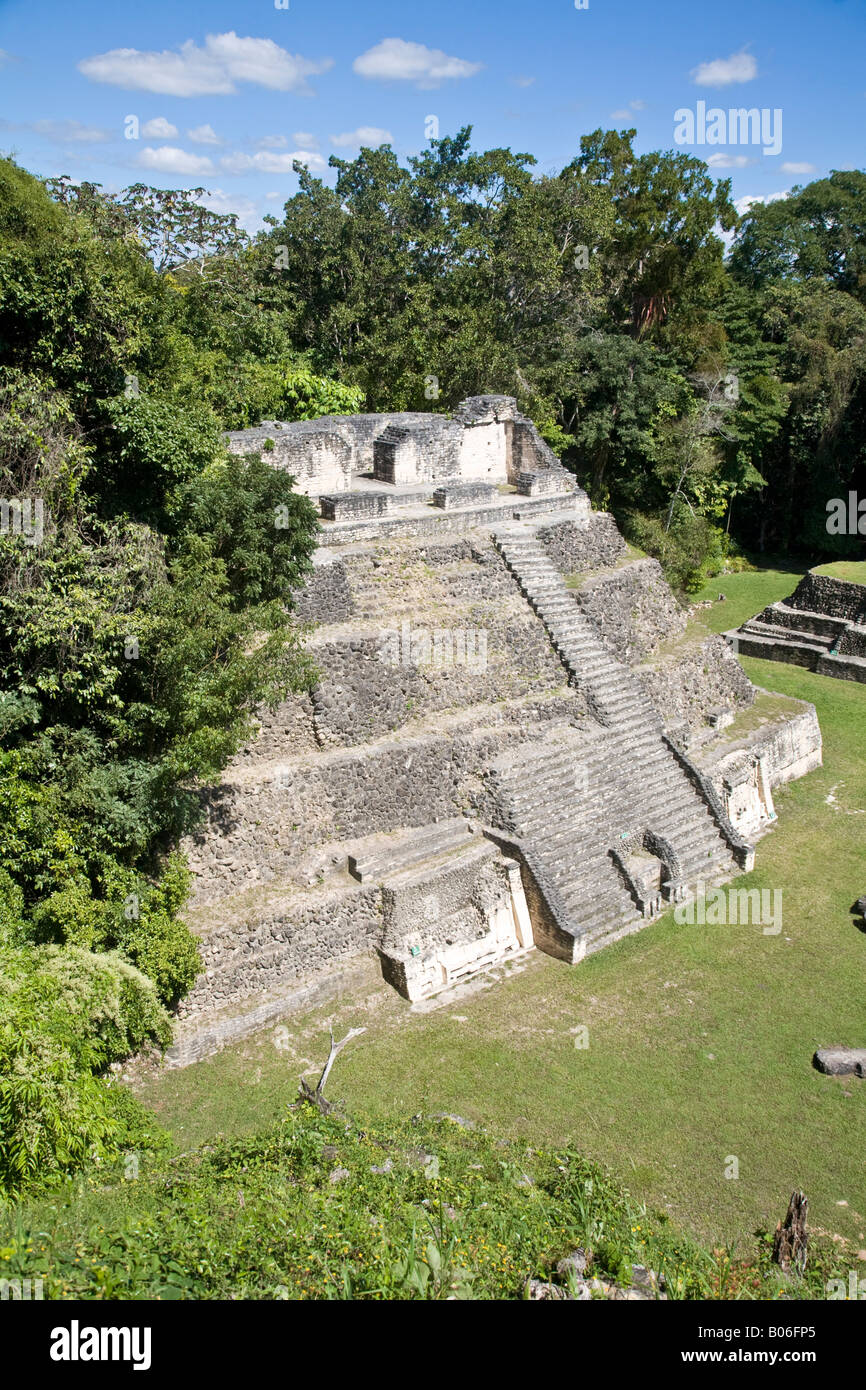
x=402, y=466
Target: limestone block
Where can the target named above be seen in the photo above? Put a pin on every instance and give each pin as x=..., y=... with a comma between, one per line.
x=841, y=1061
x=483, y=453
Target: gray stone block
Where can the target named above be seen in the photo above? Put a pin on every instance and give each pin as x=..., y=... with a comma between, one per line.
x=841, y=1061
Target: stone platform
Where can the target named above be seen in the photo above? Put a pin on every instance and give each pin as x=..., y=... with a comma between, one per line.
x=821, y=626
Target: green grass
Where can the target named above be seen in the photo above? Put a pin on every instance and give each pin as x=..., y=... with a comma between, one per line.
x=700, y=1039
x=853, y=570
x=745, y=595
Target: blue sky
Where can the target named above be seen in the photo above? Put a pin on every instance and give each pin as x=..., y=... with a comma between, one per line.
x=225, y=93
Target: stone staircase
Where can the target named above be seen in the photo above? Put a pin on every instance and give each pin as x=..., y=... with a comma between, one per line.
x=576, y=801
x=616, y=697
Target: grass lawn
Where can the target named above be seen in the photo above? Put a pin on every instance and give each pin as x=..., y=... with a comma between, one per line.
x=745, y=595
x=855, y=570
x=700, y=1038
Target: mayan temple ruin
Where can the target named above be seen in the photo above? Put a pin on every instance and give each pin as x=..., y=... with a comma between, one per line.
x=519, y=738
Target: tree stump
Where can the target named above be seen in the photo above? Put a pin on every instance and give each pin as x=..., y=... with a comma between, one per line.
x=791, y=1241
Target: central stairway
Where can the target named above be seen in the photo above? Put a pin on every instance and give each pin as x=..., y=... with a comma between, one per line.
x=577, y=804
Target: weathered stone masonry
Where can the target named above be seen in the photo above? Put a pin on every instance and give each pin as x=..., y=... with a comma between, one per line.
x=822, y=626
x=439, y=815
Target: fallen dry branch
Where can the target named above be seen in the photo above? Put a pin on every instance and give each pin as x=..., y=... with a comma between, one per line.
x=316, y=1096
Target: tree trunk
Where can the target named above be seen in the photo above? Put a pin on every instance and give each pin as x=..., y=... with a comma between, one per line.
x=791, y=1240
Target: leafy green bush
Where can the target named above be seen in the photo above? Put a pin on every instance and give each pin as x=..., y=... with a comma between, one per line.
x=334, y=1208
x=689, y=550
x=137, y=918
x=257, y=526
x=11, y=911
x=150, y=447
x=305, y=395
x=77, y=309
x=244, y=392
x=65, y=1014
x=256, y=391
x=610, y=1259
x=131, y=661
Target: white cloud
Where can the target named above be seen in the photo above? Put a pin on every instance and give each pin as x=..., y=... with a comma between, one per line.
x=625, y=113
x=302, y=139
x=170, y=160
x=266, y=162
x=159, y=129
x=212, y=70
x=203, y=135
x=730, y=161
x=743, y=204
x=721, y=72
x=397, y=60
x=798, y=167
x=523, y=81
x=368, y=135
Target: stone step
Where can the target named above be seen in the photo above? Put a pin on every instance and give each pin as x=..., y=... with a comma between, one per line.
x=587, y=657
x=573, y=755
x=520, y=778
x=576, y=792
x=577, y=841
x=783, y=633
x=624, y=707
x=608, y=913
x=427, y=842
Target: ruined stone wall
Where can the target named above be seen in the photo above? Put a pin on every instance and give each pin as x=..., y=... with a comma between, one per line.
x=837, y=598
x=528, y=450
x=447, y=905
x=302, y=447
x=633, y=608
x=289, y=939
x=409, y=635
x=486, y=440
x=791, y=747
x=853, y=642
x=697, y=683
x=483, y=453
x=326, y=597
x=428, y=448
x=262, y=820
x=576, y=547
x=465, y=495
x=315, y=452
x=374, y=685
